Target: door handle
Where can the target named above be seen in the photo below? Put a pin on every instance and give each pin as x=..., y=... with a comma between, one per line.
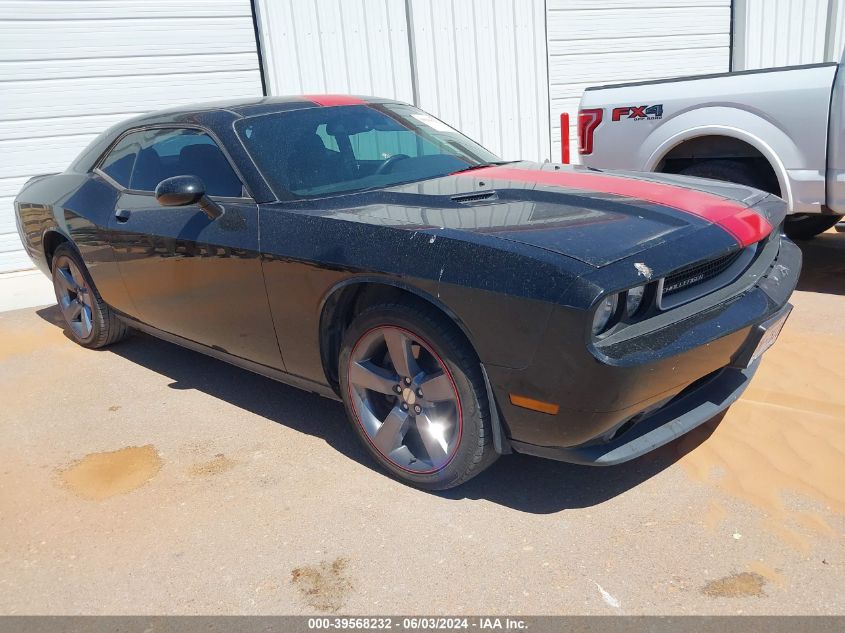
x=122, y=215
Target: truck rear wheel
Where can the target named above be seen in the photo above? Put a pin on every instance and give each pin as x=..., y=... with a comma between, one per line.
x=728, y=170
x=805, y=226
x=798, y=226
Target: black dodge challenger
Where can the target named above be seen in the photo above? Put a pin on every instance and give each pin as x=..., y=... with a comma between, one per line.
x=460, y=307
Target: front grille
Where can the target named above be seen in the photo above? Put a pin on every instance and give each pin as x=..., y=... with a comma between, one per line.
x=696, y=274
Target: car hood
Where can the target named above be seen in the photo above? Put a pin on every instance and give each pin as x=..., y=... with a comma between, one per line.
x=593, y=216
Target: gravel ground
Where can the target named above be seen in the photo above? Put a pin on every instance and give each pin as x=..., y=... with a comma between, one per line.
x=148, y=479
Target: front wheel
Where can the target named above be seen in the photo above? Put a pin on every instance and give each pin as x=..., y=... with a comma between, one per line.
x=413, y=390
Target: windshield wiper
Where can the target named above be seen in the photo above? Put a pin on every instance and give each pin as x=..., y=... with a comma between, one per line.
x=483, y=165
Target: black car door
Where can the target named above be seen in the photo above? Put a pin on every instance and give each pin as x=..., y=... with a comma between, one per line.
x=185, y=273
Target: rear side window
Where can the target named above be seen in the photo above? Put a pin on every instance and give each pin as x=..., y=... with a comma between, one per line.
x=118, y=164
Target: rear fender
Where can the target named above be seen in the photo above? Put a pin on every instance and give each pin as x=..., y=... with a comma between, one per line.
x=778, y=148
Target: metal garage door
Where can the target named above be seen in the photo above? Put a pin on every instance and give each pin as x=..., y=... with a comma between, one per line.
x=595, y=42
x=71, y=68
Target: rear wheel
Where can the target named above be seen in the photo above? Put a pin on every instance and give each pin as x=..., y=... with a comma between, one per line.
x=728, y=170
x=805, y=226
x=798, y=226
x=89, y=319
x=414, y=393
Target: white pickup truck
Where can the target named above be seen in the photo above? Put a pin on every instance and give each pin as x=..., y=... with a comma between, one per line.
x=781, y=130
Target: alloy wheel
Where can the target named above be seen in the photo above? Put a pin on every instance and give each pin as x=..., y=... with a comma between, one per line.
x=74, y=297
x=405, y=399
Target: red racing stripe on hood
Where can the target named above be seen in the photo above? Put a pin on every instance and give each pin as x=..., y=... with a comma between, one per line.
x=334, y=100
x=746, y=226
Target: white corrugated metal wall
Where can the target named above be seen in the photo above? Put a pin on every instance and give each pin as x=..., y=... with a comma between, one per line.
x=336, y=46
x=772, y=33
x=480, y=65
x=71, y=68
x=596, y=42
x=837, y=33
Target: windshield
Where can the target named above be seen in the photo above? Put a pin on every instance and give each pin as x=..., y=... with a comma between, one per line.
x=332, y=150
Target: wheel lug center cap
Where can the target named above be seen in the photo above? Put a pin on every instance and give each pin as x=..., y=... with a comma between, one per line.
x=409, y=396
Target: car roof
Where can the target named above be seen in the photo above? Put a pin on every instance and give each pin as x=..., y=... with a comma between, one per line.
x=247, y=107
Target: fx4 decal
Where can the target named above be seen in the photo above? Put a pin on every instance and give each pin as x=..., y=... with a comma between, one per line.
x=639, y=113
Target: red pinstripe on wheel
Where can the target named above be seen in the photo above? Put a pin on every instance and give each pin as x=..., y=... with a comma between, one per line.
x=425, y=344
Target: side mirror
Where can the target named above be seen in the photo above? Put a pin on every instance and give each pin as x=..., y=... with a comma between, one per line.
x=180, y=191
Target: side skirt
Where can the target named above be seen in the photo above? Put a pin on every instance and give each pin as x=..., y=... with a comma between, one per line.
x=237, y=361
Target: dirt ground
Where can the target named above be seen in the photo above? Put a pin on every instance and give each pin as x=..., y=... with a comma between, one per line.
x=148, y=479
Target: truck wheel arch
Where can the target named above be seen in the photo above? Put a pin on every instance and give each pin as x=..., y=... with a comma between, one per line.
x=663, y=147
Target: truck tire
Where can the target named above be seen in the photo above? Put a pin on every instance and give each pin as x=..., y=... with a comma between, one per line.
x=728, y=170
x=798, y=226
x=805, y=226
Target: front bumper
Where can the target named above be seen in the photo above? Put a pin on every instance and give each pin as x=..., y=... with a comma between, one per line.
x=695, y=405
x=667, y=383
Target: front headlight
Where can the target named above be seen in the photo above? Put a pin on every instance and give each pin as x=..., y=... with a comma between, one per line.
x=605, y=310
x=634, y=297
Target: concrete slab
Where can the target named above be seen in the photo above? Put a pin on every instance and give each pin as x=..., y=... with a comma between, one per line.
x=25, y=289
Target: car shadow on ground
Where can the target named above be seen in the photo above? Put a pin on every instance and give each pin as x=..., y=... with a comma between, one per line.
x=823, y=269
x=524, y=483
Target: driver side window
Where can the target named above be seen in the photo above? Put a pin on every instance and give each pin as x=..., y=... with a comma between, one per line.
x=141, y=160
x=166, y=153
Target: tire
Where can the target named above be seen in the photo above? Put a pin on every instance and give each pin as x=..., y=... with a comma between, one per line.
x=805, y=226
x=90, y=321
x=729, y=171
x=454, y=412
